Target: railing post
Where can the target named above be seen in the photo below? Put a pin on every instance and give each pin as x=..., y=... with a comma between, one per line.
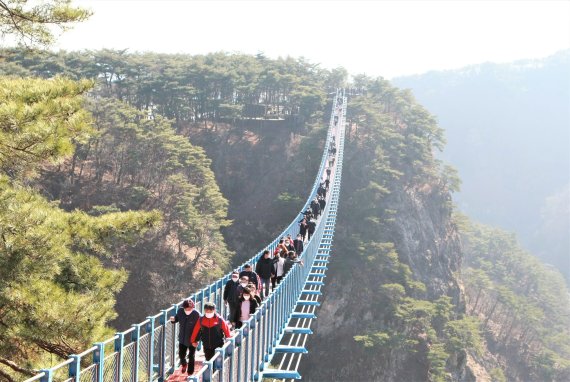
x=254, y=331
x=75, y=367
x=99, y=360
x=230, y=353
x=219, y=363
x=135, y=338
x=119, y=343
x=162, y=362
x=207, y=376
x=245, y=348
x=172, y=350
x=150, y=354
x=48, y=375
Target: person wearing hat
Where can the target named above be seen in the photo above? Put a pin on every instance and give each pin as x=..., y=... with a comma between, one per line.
x=232, y=293
x=187, y=317
x=211, y=329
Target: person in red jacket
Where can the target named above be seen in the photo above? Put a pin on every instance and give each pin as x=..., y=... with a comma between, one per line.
x=211, y=329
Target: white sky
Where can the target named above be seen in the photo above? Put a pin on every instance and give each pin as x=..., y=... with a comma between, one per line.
x=386, y=38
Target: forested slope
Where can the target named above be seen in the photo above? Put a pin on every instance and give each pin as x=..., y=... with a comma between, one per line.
x=135, y=160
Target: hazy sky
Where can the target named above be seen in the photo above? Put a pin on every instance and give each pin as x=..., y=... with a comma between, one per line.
x=387, y=38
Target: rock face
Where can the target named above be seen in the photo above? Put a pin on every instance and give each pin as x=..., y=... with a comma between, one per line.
x=427, y=242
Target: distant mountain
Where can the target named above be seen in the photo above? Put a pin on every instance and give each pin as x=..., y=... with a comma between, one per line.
x=508, y=132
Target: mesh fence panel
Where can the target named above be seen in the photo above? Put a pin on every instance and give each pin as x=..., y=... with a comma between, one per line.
x=248, y=354
x=254, y=354
x=236, y=358
x=129, y=362
x=89, y=374
x=261, y=341
x=157, y=348
x=216, y=376
x=110, y=370
x=227, y=371
x=175, y=348
x=170, y=329
x=258, y=342
x=144, y=352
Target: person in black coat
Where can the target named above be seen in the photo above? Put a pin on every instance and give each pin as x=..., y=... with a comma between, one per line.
x=322, y=203
x=251, y=275
x=291, y=260
x=303, y=228
x=247, y=305
x=298, y=244
x=231, y=294
x=315, y=207
x=311, y=226
x=186, y=316
x=264, y=270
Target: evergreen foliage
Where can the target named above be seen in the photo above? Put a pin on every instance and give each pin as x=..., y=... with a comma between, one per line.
x=39, y=120
x=56, y=297
x=524, y=303
x=213, y=87
x=32, y=22
x=51, y=277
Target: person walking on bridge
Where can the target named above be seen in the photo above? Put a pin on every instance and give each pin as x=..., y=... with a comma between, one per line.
x=278, y=270
x=303, y=228
x=298, y=244
x=247, y=307
x=211, y=329
x=187, y=317
x=251, y=275
x=231, y=294
x=315, y=207
x=264, y=270
x=311, y=227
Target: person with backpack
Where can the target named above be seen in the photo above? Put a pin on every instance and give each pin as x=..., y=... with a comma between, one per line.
x=187, y=317
x=211, y=329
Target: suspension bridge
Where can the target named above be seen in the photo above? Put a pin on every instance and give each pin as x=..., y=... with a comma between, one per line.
x=269, y=345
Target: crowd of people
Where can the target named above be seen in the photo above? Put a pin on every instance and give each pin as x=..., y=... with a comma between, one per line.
x=245, y=291
x=242, y=296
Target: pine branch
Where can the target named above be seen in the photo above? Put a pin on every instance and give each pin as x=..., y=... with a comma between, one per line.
x=12, y=365
x=6, y=376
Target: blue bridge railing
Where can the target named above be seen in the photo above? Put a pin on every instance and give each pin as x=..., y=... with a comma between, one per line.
x=148, y=350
